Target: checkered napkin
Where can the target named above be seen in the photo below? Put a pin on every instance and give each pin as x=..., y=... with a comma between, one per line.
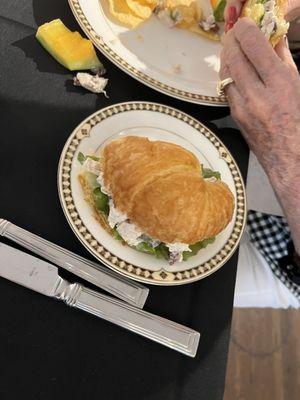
x=271, y=236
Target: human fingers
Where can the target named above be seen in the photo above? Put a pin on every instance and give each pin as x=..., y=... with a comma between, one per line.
x=256, y=48
x=234, y=97
x=240, y=69
x=232, y=12
x=283, y=52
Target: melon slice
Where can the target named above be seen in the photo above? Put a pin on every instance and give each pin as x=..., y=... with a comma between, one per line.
x=69, y=48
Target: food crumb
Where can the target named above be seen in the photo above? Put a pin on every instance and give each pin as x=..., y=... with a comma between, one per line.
x=177, y=68
x=93, y=83
x=140, y=37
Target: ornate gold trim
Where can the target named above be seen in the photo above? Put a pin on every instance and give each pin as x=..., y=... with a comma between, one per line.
x=161, y=277
x=146, y=79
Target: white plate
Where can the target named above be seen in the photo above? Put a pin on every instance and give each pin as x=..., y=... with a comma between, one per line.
x=151, y=52
x=156, y=122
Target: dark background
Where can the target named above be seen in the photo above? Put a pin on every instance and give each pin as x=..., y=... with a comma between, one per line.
x=48, y=351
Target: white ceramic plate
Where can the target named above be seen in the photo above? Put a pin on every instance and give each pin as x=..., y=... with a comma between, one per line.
x=156, y=122
x=152, y=53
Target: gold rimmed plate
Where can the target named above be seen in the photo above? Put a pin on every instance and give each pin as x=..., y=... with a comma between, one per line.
x=173, y=61
x=157, y=122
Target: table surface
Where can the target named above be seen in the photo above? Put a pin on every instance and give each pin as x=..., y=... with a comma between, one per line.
x=48, y=350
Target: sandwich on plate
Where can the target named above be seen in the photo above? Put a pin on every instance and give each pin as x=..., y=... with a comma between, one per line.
x=268, y=16
x=156, y=197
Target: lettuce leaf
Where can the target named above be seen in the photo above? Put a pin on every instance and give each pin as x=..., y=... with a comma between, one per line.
x=196, y=247
x=160, y=252
x=81, y=157
x=117, y=235
x=209, y=173
x=101, y=200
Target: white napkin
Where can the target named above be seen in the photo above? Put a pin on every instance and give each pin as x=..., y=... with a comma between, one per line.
x=260, y=194
x=256, y=284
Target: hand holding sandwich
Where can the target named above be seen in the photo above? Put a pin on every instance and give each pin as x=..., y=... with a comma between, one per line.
x=265, y=102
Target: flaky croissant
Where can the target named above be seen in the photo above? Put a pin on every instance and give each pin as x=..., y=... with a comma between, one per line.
x=160, y=187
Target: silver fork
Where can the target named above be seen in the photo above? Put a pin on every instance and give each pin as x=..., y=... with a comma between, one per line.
x=125, y=289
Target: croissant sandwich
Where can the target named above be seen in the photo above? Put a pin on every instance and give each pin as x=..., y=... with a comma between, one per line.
x=156, y=197
x=268, y=16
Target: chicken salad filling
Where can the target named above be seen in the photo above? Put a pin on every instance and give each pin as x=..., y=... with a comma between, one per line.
x=268, y=19
x=174, y=16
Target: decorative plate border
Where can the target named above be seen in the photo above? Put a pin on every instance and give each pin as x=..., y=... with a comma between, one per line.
x=135, y=73
x=161, y=277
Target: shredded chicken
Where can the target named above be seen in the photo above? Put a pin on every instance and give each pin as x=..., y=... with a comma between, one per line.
x=209, y=23
x=268, y=23
x=100, y=180
x=92, y=166
x=176, y=251
x=130, y=233
x=93, y=83
x=115, y=216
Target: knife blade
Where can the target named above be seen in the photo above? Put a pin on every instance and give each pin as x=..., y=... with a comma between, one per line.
x=43, y=277
x=127, y=290
x=28, y=271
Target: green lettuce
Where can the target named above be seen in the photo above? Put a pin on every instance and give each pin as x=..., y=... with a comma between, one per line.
x=209, y=173
x=81, y=157
x=196, y=247
x=101, y=200
x=161, y=251
x=117, y=235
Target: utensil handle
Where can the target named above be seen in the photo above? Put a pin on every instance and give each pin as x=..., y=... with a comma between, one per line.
x=153, y=327
x=129, y=291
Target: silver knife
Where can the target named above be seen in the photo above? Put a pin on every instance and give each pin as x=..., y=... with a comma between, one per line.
x=125, y=289
x=43, y=277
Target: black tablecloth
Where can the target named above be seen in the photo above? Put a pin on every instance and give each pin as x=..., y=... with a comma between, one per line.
x=50, y=351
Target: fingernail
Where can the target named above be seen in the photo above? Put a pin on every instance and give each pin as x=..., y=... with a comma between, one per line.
x=232, y=14
x=286, y=41
x=232, y=18
x=228, y=26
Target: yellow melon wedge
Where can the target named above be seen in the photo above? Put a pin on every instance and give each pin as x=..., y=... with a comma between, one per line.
x=69, y=48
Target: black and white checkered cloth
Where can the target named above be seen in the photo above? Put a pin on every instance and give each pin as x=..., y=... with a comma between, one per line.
x=271, y=236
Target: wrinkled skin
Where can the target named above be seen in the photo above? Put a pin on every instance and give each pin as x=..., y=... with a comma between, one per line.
x=265, y=102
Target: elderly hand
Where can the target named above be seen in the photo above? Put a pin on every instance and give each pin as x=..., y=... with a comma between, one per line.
x=265, y=102
x=234, y=7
